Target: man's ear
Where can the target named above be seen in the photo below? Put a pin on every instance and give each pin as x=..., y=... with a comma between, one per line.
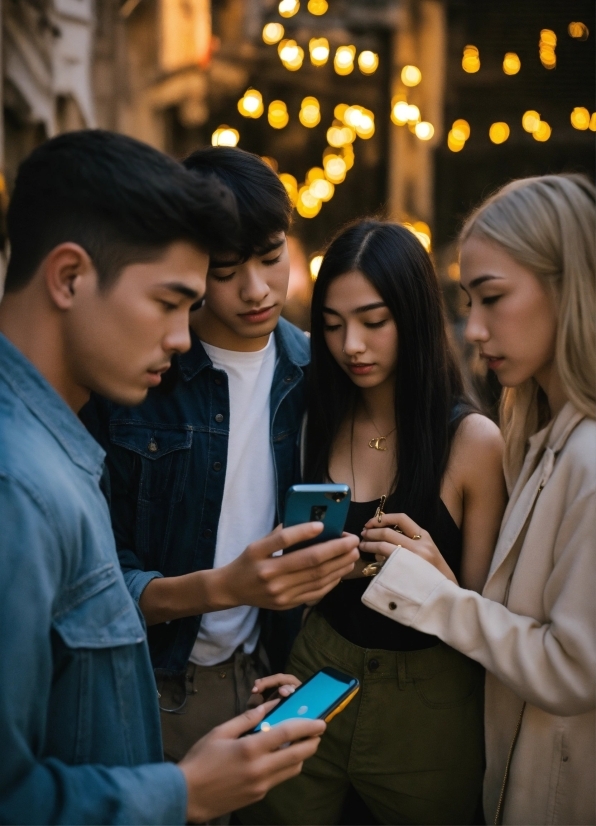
x=63, y=269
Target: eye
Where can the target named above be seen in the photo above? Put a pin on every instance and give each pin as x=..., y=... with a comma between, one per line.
x=222, y=278
x=490, y=299
x=168, y=305
x=269, y=261
x=329, y=328
x=373, y=324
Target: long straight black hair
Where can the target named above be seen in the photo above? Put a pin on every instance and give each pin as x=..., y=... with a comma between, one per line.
x=429, y=392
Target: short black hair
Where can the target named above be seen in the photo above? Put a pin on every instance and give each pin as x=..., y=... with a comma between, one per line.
x=263, y=203
x=119, y=199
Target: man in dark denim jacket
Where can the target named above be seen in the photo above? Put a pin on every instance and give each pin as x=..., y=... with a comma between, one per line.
x=201, y=469
x=108, y=253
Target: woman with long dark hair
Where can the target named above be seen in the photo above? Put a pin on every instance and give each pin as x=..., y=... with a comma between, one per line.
x=387, y=414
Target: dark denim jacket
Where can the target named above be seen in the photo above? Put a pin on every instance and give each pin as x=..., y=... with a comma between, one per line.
x=167, y=463
x=79, y=724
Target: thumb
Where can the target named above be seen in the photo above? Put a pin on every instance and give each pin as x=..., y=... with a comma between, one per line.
x=282, y=538
x=233, y=728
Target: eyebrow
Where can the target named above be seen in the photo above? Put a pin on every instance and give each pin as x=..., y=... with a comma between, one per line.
x=214, y=264
x=273, y=245
x=481, y=279
x=176, y=287
x=363, y=309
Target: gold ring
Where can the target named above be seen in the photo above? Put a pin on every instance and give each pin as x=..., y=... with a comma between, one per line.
x=397, y=528
x=416, y=536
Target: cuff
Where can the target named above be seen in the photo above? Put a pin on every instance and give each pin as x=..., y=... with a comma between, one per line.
x=136, y=581
x=162, y=796
x=404, y=583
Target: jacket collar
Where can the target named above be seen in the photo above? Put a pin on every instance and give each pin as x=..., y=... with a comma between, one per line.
x=26, y=382
x=196, y=359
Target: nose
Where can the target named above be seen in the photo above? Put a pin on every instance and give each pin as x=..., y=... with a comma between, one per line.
x=475, y=331
x=254, y=287
x=353, y=343
x=177, y=338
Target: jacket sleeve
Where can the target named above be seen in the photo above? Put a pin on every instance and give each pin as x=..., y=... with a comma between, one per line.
x=551, y=665
x=122, y=492
x=35, y=788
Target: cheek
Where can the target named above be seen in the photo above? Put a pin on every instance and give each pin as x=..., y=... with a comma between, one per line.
x=384, y=342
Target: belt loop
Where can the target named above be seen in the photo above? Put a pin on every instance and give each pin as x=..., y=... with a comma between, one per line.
x=400, y=661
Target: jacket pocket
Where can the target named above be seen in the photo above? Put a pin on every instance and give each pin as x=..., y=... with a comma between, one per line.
x=164, y=453
x=98, y=612
x=452, y=686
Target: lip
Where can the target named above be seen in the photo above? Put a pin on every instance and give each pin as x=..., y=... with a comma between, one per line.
x=155, y=375
x=360, y=369
x=258, y=316
x=493, y=362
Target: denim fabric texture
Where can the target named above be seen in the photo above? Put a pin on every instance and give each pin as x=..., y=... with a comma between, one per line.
x=79, y=722
x=167, y=468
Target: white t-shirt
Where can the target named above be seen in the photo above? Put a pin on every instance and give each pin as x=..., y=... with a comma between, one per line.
x=248, y=505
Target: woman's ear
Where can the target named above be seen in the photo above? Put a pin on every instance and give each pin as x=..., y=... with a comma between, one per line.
x=63, y=268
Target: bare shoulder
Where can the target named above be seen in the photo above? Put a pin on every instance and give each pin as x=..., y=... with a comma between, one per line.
x=477, y=449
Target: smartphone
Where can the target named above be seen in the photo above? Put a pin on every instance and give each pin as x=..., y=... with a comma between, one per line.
x=317, y=503
x=321, y=697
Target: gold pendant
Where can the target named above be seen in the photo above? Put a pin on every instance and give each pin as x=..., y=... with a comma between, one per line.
x=380, y=512
x=376, y=443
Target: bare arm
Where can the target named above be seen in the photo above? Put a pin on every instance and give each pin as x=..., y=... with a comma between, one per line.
x=256, y=577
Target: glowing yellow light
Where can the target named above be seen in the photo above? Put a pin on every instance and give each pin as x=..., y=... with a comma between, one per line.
x=424, y=130
x=291, y=54
x=411, y=75
x=343, y=62
x=454, y=142
x=530, y=120
x=277, y=114
x=335, y=168
x=361, y=120
x=546, y=47
x=593, y=122
x=288, y=8
x=315, y=174
x=453, y=271
x=471, y=59
x=319, y=50
x=413, y=114
x=578, y=30
x=340, y=110
x=291, y=185
x=548, y=38
x=422, y=233
x=307, y=205
x=511, y=63
x=347, y=154
x=310, y=113
x=368, y=62
x=399, y=112
x=580, y=118
x=273, y=33
x=270, y=162
x=315, y=266
x=461, y=129
x=340, y=135
x=543, y=132
x=251, y=105
x=317, y=7
x=322, y=189
x=499, y=132
x=225, y=136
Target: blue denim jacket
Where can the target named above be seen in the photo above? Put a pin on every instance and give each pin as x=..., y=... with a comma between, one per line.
x=79, y=725
x=167, y=463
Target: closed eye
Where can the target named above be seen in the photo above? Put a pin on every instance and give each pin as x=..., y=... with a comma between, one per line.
x=490, y=299
x=373, y=324
x=331, y=327
x=269, y=261
x=222, y=278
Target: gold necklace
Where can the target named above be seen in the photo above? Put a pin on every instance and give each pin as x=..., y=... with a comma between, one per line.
x=379, y=442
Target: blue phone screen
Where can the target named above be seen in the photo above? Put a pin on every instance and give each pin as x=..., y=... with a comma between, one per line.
x=308, y=702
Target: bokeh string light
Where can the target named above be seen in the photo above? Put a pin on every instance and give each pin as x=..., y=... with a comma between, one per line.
x=543, y=132
x=458, y=135
x=288, y=8
x=291, y=55
x=273, y=33
x=343, y=62
x=499, y=132
x=368, y=62
x=546, y=48
x=319, y=50
x=411, y=75
x=471, y=59
x=580, y=118
x=250, y=104
x=315, y=266
x=318, y=7
x=310, y=112
x=277, y=114
x=225, y=136
x=579, y=31
x=511, y=63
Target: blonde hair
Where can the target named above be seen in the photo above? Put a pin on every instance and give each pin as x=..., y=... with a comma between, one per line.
x=547, y=224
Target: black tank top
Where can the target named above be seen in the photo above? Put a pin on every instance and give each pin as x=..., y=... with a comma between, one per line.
x=360, y=625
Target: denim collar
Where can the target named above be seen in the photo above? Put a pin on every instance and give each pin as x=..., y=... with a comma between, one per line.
x=196, y=359
x=49, y=408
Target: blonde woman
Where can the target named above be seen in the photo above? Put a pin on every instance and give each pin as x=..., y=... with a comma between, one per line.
x=528, y=268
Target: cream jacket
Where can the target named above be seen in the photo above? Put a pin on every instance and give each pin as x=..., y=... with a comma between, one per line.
x=533, y=629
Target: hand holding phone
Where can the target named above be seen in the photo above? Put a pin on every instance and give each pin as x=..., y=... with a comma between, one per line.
x=321, y=697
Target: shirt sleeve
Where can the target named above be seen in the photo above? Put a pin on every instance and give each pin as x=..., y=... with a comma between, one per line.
x=35, y=788
x=550, y=664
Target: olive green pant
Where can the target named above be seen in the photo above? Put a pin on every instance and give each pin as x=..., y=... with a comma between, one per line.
x=410, y=742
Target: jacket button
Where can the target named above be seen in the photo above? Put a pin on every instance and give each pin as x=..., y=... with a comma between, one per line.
x=392, y=606
x=207, y=533
x=152, y=446
x=288, y=379
x=373, y=665
x=216, y=380
x=219, y=417
x=216, y=465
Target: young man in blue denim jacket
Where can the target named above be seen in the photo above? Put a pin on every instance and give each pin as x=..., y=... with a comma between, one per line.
x=199, y=473
x=108, y=253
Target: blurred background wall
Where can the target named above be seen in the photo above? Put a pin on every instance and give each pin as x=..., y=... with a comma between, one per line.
x=410, y=109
